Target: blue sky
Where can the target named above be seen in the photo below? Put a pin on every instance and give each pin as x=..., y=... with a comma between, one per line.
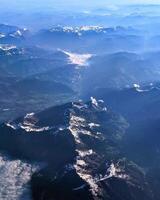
x=12, y=4
x=84, y=2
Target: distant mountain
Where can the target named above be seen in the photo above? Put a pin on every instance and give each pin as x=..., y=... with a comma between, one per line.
x=87, y=38
x=90, y=30
x=7, y=29
x=120, y=70
x=13, y=35
x=27, y=61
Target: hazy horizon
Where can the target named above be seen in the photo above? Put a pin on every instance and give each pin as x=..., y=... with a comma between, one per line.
x=36, y=4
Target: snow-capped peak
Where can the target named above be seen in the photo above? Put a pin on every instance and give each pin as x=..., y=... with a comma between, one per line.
x=78, y=30
x=94, y=101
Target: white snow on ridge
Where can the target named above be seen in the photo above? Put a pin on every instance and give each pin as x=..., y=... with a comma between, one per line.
x=29, y=115
x=91, y=28
x=2, y=35
x=77, y=29
x=78, y=59
x=7, y=47
x=18, y=33
x=136, y=85
x=94, y=101
x=92, y=125
x=76, y=128
x=114, y=171
x=5, y=109
x=13, y=126
x=28, y=124
x=138, y=88
x=35, y=129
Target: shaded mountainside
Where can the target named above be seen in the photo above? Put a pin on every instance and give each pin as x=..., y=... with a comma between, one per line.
x=140, y=106
x=138, y=102
x=81, y=145
x=26, y=61
x=34, y=77
x=120, y=70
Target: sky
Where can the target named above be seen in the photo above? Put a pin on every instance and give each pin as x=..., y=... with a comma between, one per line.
x=78, y=2
x=25, y=4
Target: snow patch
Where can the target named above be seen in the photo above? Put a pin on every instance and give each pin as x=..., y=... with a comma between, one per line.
x=5, y=109
x=136, y=85
x=78, y=30
x=92, y=125
x=13, y=126
x=94, y=101
x=28, y=124
x=91, y=28
x=18, y=33
x=7, y=47
x=34, y=129
x=115, y=171
x=2, y=35
x=83, y=154
x=138, y=88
